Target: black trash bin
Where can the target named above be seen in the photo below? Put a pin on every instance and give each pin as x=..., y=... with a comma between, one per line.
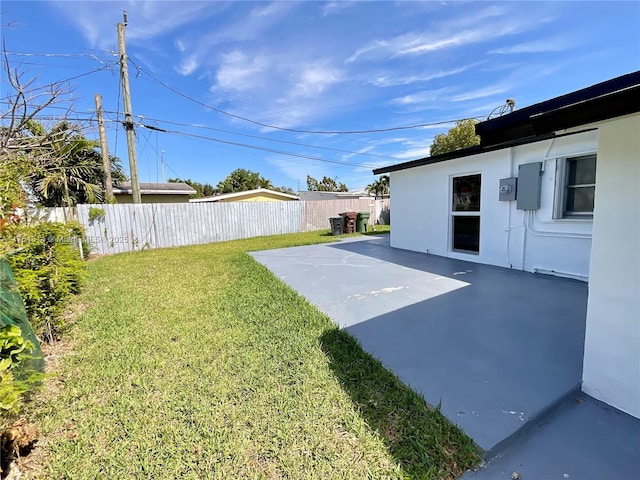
x=337, y=225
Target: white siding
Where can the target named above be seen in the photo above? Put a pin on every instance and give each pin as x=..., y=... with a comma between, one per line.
x=612, y=344
x=422, y=204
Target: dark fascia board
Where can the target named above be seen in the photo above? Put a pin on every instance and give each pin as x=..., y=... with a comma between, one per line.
x=604, y=107
x=467, y=152
x=518, y=123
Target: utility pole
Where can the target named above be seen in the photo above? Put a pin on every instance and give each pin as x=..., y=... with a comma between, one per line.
x=128, y=117
x=108, y=187
x=162, y=166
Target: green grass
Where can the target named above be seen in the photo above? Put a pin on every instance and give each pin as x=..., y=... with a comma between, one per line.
x=198, y=363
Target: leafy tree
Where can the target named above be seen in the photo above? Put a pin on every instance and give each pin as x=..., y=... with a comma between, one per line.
x=327, y=184
x=202, y=189
x=380, y=187
x=241, y=180
x=56, y=166
x=68, y=169
x=284, y=189
x=463, y=135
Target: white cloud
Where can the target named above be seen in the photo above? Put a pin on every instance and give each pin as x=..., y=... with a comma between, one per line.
x=239, y=72
x=391, y=80
x=188, y=65
x=331, y=8
x=420, y=97
x=146, y=19
x=314, y=79
x=477, y=35
x=491, y=23
x=480, y=93
x=415, y=152
x=556, y=44
x=180, y=45
x=251, y=26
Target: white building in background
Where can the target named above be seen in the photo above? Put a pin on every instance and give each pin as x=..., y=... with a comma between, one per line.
x=553, y=188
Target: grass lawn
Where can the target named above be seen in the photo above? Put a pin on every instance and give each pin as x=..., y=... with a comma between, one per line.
x=197, y=363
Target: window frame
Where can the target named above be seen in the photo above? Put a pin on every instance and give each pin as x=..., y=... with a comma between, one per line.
x=453, y=213
x=561, y=188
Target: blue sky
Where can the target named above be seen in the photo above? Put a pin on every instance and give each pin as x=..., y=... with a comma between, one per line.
x=310, y=66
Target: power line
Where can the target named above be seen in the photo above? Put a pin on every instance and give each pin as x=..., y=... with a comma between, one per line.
x=49, y=44
x=295, y=130
x=64, y=55
x=255, y=147
x=50, y=65
x=195, y=125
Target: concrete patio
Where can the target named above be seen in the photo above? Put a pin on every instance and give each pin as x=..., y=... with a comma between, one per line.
x=498, y=349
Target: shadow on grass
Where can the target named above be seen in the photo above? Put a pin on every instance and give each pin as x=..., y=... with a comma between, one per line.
x=377, y=232
x=423, y=442
x=347, y=235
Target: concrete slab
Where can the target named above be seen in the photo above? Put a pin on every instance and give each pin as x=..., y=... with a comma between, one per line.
x=495, y=347
x=583, y=439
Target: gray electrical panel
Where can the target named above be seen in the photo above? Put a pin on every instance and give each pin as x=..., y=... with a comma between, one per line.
x=507, y=189
x=529, y=184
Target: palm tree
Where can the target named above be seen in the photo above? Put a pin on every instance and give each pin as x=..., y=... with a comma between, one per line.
x=67, y=167
x=379, y=187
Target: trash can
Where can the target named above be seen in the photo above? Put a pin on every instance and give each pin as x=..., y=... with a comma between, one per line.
x=337, y=225
x=363, y=220
x=349, y=221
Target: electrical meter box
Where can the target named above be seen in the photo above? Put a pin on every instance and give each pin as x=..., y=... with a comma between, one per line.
x=508, y=189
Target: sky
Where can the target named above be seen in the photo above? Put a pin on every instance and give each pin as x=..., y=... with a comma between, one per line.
x=258, y=85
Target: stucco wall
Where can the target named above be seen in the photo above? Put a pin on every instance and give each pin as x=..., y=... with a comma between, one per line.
x=612, y=344
x=531, y=241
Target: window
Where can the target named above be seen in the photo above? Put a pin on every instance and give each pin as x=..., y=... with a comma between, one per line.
x=576, y=187
x=465, y=214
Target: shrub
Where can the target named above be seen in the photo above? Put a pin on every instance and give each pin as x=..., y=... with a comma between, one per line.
x=15, y=381
x=47, y=267
x=95, y=214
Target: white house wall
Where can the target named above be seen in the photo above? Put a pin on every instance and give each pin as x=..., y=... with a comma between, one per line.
x=612, y=343
x=531, y=241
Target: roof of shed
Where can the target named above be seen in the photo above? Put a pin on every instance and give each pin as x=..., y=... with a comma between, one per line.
x=246, y=193
x=170, y=188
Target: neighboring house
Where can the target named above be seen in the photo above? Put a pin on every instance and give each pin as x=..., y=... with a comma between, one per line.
x=257, y=195
x=314, y=196
x=552, y=188
x=154, y=192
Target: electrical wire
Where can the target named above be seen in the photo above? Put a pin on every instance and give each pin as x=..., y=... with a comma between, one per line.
x=194, y=125
x=255, y=147
x=65, y=55
x=295, y=130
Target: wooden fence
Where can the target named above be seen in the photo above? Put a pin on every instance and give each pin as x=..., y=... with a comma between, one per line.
x=127, y=227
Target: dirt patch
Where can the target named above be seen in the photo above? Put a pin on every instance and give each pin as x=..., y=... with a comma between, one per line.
x=24, y=452
x=95, y=256
x=16, y=442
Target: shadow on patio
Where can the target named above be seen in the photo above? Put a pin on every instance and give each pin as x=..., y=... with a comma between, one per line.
x=419, y=438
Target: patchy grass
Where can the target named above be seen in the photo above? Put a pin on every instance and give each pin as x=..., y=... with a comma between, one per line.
x=378, y=229
x=198, y=363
